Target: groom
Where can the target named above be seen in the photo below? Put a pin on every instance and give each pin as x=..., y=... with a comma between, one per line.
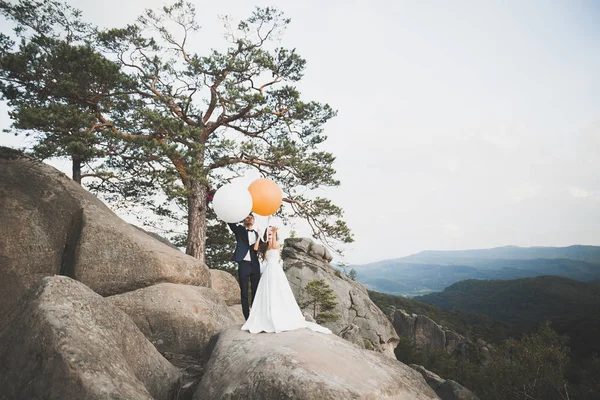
x=245, y=256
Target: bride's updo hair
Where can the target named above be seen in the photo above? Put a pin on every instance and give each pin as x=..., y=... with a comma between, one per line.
x=263, y=246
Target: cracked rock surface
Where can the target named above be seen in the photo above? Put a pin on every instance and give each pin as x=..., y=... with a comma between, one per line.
x=179, y=321
x=51, y=225
x=64, y=341
x=361, y=321
x=303, y=365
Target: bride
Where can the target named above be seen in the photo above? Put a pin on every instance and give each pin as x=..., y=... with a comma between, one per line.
x=274, y=308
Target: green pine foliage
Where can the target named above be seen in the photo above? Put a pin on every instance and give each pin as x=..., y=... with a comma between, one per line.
x=166, y=125
x=533, y=367
x=56, y=81
x=352, y=274
x=321, y=300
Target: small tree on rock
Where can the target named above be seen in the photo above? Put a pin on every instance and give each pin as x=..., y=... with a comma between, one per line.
x=322, y=300
x=352, y=274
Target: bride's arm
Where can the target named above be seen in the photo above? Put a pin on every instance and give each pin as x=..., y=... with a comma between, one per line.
x=273, y=243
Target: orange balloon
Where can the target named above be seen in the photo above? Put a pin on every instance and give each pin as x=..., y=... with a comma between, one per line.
x=266, y=196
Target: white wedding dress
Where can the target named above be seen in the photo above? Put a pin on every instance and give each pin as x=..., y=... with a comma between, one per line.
x=275, y=308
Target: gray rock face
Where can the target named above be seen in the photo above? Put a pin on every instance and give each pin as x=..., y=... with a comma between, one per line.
x=176, y=318
x=352, y=333
x=433, y=380
x=306, y=245
x=157, y=237
x=452, y=390
x=305, y=261
x=452, y=340
x=51, y=225
x=446, y=389
x=477, y=352
x=64, y=341
x=429, y=334
x=236, y=312
x=302, y=364
x=426, y=333
x=423, y=331
x=179, y=321
x=34, y=226
x=226, y=286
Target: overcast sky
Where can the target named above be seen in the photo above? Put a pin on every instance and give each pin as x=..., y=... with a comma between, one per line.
x=461, y=124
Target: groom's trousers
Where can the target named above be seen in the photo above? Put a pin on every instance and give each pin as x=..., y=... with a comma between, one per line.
x=247, y=272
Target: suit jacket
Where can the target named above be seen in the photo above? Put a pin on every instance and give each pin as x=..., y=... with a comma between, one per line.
x=243, y=245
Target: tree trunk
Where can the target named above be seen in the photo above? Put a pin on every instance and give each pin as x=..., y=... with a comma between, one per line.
x=196, y=241
x=77, y=161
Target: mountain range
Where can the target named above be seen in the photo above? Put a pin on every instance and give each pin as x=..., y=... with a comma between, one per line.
x=510, y=314
x=573, y=307
x=432, y=271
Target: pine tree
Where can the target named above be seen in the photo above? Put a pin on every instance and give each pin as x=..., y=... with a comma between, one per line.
x=55, y=81
x=322, y=300
x=352, y=274
x=208, y=118
x=171, y=125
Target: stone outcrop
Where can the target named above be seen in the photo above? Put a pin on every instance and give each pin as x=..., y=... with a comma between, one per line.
x=51, y=225
x=447, y=389
x=478, y=352
x=63, y=341
x=303, y=364
x=226, y=286
x=236, y=312
x=361, y=321
x=453, y=339
x=421, y=330
x=179, y=321
x=60, y=339
x=157, y=237
x=426, y=333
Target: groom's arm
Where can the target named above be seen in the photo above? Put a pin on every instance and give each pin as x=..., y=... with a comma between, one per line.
x=233, y=227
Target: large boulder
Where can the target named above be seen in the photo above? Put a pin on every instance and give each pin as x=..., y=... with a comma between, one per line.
x=63, y=341
x=226, y=286
x=421, y=330
x=237, y=313
x=51, y=225
x=447, y=389
x=361, y=321
x=157, y=237
x=179, y=321
x=303, y=364
x=476, y=352
x=425, y=333
x=453, y=339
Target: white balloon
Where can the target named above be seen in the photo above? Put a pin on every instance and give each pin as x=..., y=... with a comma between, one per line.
x=232, y=203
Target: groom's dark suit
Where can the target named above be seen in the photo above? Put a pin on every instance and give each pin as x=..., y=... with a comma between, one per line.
x=247, y=270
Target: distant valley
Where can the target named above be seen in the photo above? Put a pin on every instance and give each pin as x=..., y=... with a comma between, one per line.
x=573, y=307
x=432, y=271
